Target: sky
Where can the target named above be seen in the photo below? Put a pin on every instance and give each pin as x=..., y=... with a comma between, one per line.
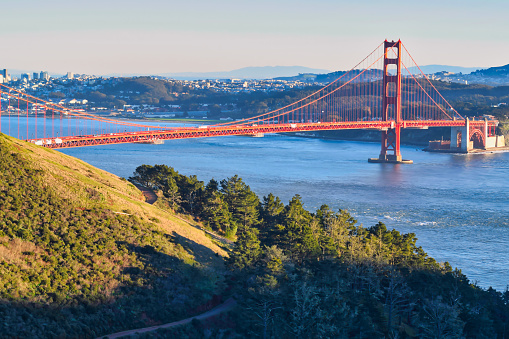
x=166, y=36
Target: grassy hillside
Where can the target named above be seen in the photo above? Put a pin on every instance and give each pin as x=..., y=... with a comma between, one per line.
x=82, y=254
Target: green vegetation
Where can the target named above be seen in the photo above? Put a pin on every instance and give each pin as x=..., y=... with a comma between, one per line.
x=77, y=267
x=298, y=274
x=223, y=207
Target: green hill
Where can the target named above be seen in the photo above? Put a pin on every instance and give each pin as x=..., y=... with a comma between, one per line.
x=82, y=254
x=493, y=71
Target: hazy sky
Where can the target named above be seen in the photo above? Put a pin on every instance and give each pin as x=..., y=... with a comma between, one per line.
x=159, y=36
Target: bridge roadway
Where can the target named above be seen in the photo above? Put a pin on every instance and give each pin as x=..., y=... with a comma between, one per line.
x=244, y=129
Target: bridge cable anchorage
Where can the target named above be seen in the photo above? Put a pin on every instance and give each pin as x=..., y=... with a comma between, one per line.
x=379, y=93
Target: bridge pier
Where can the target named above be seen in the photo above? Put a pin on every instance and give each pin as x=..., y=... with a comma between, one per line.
x=390, y=144
x=475, y=134
x=459, y=137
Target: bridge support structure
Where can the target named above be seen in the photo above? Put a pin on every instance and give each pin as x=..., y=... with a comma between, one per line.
x=475, y=134
x=391, y=105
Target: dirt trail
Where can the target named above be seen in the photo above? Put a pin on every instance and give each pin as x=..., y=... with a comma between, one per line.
x=224, y=307
x=150, y=196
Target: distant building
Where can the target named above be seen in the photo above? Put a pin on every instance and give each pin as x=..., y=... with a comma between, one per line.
x=1, y=79
x=70, y=75
x=44, y=75
x=5, y=76
x=35, y=76
x=25, y=77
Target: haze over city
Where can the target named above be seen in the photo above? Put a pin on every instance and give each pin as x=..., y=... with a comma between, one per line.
x=153, y=36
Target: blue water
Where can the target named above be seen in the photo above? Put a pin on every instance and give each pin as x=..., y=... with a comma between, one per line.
x=457, y=205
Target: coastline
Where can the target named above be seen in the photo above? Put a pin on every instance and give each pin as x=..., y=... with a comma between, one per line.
x=473, y=151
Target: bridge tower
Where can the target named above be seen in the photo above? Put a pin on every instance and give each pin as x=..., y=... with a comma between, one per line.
x=391, y=105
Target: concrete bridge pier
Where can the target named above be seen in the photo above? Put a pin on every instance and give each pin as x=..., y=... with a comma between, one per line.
x=459, y=137
x=475, y=135
x=390, y=152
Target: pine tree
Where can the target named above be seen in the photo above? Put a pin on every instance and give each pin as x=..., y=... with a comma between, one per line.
x=171, y=191
x=242, y=202
x=247, y=250
x=271, y=217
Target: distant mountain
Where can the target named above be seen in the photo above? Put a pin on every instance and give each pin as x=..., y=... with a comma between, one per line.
x=265, y=72
x=431, y=69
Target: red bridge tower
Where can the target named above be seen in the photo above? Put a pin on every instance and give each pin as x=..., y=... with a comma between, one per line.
x=391, y=105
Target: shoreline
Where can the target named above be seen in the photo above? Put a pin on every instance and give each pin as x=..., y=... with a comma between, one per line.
x=473, y=151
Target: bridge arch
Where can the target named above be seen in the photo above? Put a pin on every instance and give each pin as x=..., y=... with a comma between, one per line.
x=478, y=138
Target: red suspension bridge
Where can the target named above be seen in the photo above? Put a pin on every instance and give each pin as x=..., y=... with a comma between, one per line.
x=386, y=91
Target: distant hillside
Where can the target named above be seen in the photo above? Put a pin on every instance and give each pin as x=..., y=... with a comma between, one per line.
x=82, y=255
x=265, y=72
x=502, y=71
x=431, y=69
x=428, y=69
x=329, y=77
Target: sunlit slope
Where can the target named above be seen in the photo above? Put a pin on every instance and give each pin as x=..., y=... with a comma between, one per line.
x=71, y=234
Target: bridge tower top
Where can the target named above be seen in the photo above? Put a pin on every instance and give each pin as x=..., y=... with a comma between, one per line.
x=392, y=93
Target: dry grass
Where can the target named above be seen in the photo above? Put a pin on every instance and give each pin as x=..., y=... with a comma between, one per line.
x=14, y=251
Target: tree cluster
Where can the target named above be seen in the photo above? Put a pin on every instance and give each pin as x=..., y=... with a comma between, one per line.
x=301, y=274
x=320, y=275
x=223, y=206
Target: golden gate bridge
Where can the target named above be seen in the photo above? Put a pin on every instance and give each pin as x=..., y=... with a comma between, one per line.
x=380, y=92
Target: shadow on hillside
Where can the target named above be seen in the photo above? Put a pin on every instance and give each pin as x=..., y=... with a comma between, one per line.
x=162, y=289
x=202, y=254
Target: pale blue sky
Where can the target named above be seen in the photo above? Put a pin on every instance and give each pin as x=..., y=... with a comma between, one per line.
x=156, y=36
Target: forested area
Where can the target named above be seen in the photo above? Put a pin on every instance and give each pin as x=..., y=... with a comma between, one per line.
x=302, y=274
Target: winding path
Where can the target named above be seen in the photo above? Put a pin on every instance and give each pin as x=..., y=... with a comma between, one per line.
x=224, y=307
x=150, y=196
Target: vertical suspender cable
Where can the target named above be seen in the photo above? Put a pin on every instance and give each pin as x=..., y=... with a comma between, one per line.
x=27, y=119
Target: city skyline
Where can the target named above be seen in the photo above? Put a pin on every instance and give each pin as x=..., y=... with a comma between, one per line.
x=196, y=36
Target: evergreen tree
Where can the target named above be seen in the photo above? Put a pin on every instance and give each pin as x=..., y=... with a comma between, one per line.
x=191, y=190
x=243, y=202
x=217, y=215
x=297, y=234
x=171, y=192
x=144, y=175
x=247, y=250
x=271, y=215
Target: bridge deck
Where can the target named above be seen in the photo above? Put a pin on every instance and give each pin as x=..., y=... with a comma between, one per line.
x=215, y=131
